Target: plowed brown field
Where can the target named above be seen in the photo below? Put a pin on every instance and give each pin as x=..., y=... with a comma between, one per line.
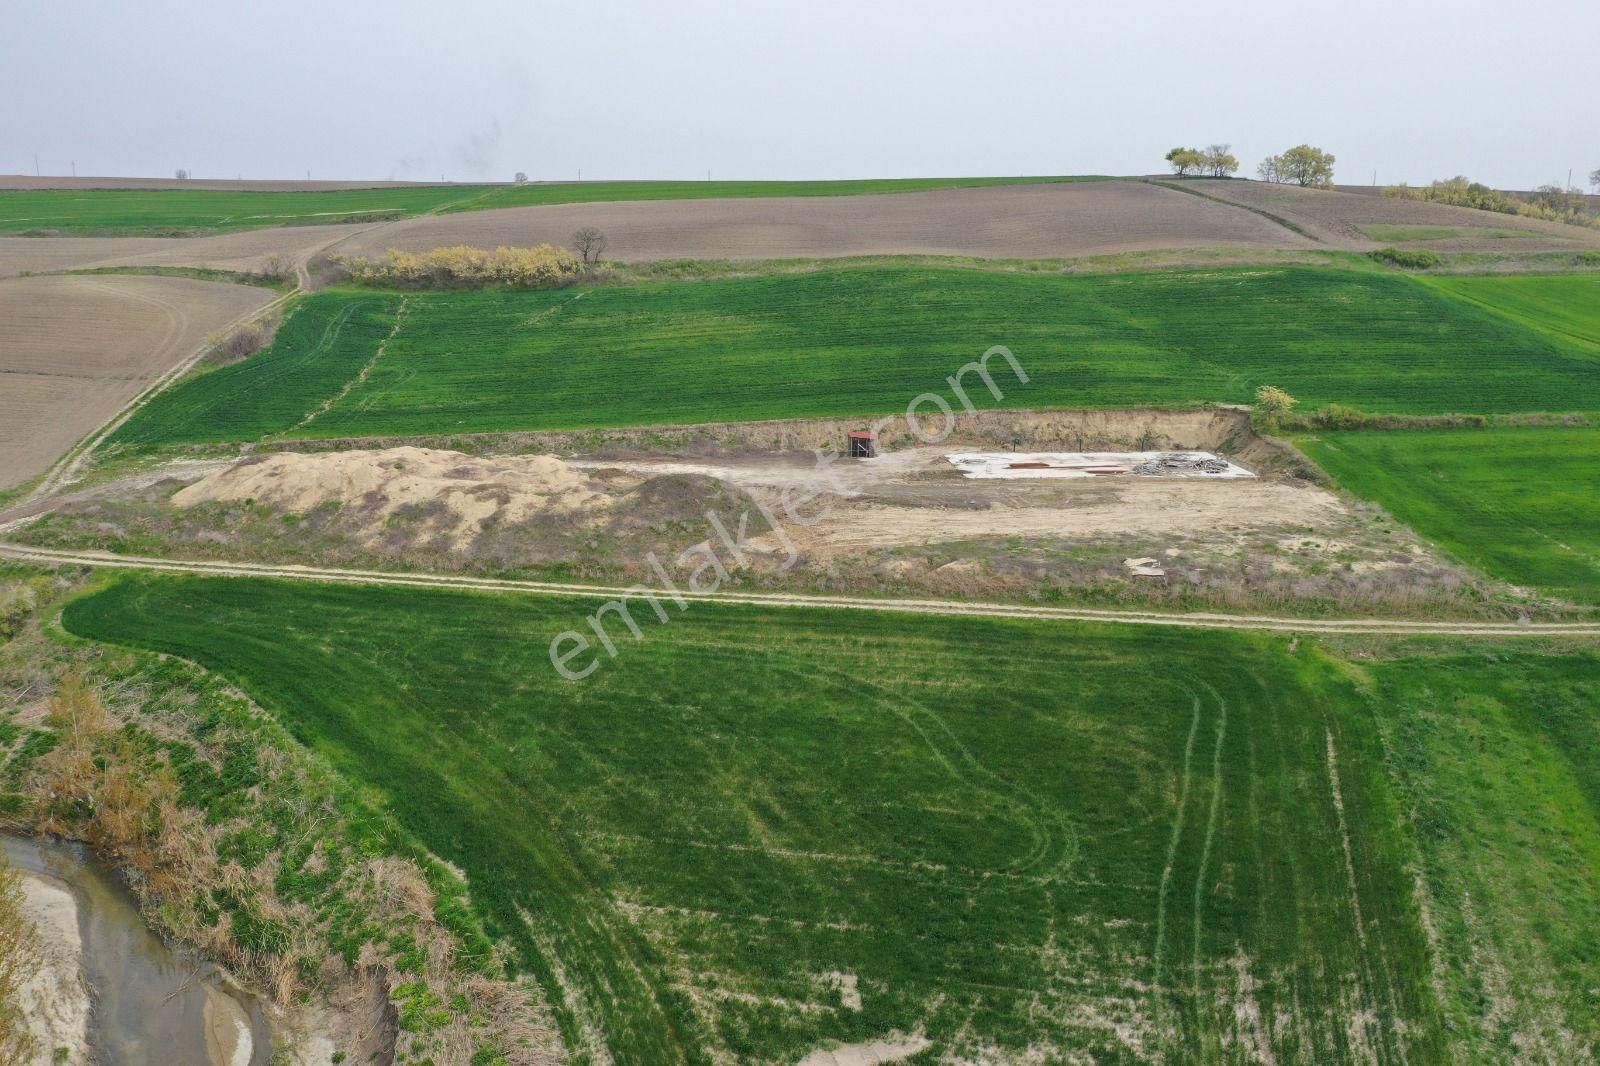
x=1025, y=221
x=1335, y=217
x=245, y=251
x=74, y=350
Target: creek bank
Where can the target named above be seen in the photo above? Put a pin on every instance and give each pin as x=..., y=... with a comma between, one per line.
x=110, y=990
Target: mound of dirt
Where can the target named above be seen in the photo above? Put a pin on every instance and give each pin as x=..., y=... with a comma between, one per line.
x=677, y=498
x=455, y=496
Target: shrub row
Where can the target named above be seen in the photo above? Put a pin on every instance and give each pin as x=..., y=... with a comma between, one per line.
x=1407, y=258
x=1550, y=202
x=1341, y=416
x=460, y=266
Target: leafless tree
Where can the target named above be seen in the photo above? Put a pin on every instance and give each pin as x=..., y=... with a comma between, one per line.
x=1220, y=161
x=181, y=174
x=590, y=244
x=521, y=178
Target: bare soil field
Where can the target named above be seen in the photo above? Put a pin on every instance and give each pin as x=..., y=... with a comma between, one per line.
x=906, y=522
x=74, y=350
x=1335, y=217
x=1023, y=221
x=246, y=251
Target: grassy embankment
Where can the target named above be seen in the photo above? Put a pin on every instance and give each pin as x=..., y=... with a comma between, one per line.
x=1522, y=504
x=131, y=212
x=1003, y=835
x=238, y=843
x=1392, y=234
x=857, y=341
x=1565, y=306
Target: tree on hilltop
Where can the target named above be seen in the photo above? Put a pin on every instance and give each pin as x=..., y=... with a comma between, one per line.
x=1301, y=165
x=1219, y=161
x=1183, y=160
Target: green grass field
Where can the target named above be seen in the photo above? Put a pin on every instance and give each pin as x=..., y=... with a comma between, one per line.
x=843, y=341
x=1520, y=504
x=159, y=211
x=1403, y=234
x=1565, y=306
x=317, y=351
x=1496, y=756
x=1085, y=841
x=134, y=212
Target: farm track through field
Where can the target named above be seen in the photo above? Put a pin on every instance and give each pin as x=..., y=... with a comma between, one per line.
x=1192, y=620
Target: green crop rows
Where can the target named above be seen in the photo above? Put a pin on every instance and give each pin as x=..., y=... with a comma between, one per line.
x=1566, y=306
x=855, y=341
x=134, y=212
x=319, y=348
x=1094, y=841
x=162, y=211
x=1522, y=504
x=1496, y=754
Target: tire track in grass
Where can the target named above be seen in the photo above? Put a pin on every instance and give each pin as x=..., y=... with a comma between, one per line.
x=1172, y=852
x=1008, y=800
x=1211, y=826
x=361, y=375
x=1372, y=1035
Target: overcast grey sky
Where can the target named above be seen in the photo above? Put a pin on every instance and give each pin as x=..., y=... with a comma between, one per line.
x=860, y=88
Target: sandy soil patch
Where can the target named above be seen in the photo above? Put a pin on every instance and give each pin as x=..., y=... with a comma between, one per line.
x=1025, y=221
x=906, y=523
x=75, y=350
x=1334, y=217
x=55, y=1000
x=1098, y=510
x=460, y=494
x=1027, y=465
x=228, y=1038
x=869, y=1053
x=909, y=498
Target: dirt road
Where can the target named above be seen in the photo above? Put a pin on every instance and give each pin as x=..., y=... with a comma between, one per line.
x=1193, y=620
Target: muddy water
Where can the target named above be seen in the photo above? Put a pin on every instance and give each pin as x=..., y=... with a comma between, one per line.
x=153, y=1005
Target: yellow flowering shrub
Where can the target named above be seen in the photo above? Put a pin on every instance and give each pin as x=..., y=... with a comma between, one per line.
x=544, y=267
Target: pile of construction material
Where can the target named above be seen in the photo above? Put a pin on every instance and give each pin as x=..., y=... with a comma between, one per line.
x=1181, y=463
x=1094, y=464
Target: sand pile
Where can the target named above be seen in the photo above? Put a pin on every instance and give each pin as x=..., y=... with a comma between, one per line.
x=453, y=495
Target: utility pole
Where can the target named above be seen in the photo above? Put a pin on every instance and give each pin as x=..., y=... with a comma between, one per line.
x=36, y=164
x=74, y=168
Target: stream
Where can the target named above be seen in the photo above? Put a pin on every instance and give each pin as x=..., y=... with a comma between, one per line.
x=152, y=1005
